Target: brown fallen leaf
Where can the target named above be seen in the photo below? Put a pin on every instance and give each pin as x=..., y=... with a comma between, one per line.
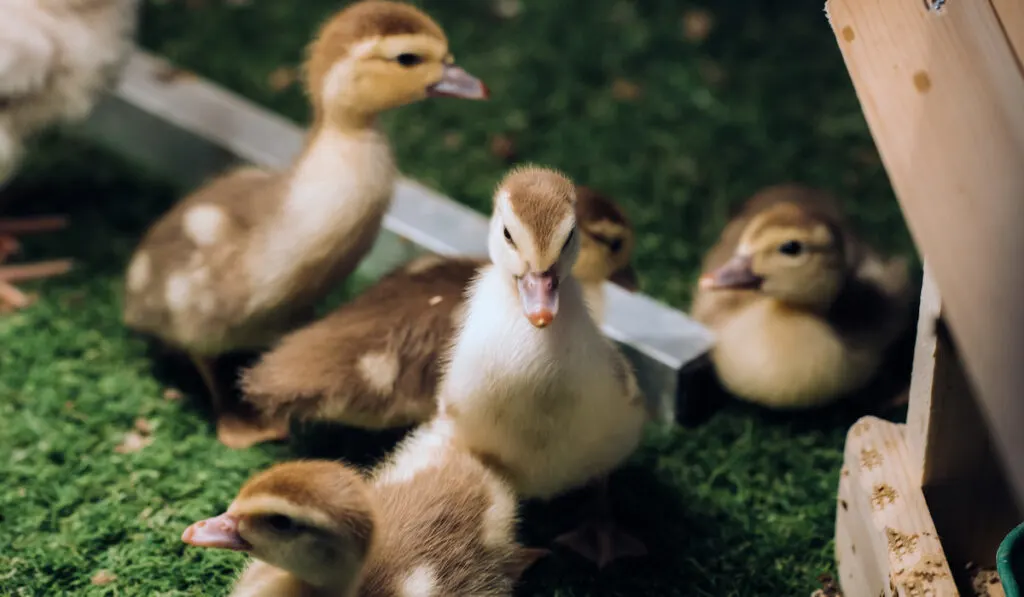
x=103, y=577
x=697, y=25
x=133, y=442
x=503, y=148
x=282, y=78
x=143, y=426
x=625, y=90
x=173, y=394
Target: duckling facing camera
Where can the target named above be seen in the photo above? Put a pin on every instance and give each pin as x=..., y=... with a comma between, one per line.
x=532, y=387
x=245, y=259
x=375, y=361
x=803, y=310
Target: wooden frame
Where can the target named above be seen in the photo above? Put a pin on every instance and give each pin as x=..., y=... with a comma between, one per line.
x=941, y=84
x=189, y=129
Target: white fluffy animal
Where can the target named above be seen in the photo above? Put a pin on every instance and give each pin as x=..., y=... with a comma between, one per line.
x=533, y=388
x=56, y=57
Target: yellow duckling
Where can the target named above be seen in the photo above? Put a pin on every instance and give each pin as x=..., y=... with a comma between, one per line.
x=802, y=309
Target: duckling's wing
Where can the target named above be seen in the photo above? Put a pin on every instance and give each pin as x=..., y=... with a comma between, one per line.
x=374, y=362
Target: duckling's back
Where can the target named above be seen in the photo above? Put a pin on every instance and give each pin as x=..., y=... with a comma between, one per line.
x=447, y=524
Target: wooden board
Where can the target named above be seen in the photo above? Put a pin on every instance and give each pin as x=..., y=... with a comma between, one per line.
x=943, y=95
x=951, y=456
x=886, y=543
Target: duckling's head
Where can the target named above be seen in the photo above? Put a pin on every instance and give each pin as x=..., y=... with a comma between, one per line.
x=314, y=519
x=606, y=240
x=376, y=55
x=789, y=253
x=533, y=236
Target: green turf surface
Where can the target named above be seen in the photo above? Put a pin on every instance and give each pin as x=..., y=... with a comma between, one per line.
x=741, y=505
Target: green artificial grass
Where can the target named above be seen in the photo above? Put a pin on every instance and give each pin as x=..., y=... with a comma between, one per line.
x=679, y=130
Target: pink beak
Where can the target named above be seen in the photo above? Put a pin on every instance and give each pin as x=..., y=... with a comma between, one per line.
x=539, y=294
x=220, y=532
x=456, y=82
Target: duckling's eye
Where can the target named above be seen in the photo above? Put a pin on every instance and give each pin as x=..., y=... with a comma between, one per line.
x=615, y=245
x=791, y=248
x=408, y=60
x=568, y=239
x=508, y=238
x=280, y=523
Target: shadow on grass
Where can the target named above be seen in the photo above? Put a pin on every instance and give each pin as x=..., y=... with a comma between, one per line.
x=645, y=506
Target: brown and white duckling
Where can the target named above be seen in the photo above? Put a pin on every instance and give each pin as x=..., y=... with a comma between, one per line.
x=532, y=386
x=803, y=311
x=374, y=362
x=433, y=522
x=244, y=259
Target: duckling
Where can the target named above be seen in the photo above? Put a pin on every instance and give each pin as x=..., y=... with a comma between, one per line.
x=245, y=258
x=802, y=309
x=431, y=521
x=57, y=57
x=531, y=386
x=374, y=362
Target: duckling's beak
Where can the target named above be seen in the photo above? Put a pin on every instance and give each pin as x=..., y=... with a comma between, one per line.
x=539, y=293
x=456, y=82
x=220, y=532
x=735, y=274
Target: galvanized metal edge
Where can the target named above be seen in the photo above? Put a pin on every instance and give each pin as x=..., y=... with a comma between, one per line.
x=189, y=129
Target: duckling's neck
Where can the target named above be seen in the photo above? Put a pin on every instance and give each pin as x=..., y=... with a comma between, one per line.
x=330, y=212
x=344, y=119
x=264, y=580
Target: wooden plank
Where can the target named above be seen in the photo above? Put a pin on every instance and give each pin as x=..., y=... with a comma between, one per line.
x=1011, y=17
x=922, y=378
x=942, y=93
x=190, y=129
x=951, y=455
x=886, y=543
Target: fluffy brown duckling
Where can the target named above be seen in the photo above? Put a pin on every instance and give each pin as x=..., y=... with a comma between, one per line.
x=375, y=361
x=432, y=521
x=802, y=309
x=244, y=259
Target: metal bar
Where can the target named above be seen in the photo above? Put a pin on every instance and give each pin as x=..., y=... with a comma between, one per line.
x=190, y=129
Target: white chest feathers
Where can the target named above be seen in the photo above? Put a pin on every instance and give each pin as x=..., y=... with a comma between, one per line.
x=332, y=210
x=549, y=403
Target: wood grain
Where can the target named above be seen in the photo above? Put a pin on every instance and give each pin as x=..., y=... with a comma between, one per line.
x=942, y=93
